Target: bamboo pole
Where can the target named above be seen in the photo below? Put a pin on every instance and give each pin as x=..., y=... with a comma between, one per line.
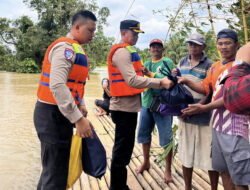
x=85, y=182
x=182, y=4
x=200, y=183
x=212, y=24
x=191, y=5
x=245, y=28
x=77, y=185
x=147, y=176
x=156, y=168
x=143, y=182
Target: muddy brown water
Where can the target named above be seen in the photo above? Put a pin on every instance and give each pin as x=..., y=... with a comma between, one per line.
x=19, y=146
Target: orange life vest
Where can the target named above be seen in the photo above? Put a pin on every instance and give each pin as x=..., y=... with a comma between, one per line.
x=76, y=78
x=118, y=86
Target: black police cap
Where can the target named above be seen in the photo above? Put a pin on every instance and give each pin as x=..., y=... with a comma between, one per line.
x=131, y=25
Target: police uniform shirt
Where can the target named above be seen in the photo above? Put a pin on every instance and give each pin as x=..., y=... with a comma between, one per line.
x=122, y=60
x=62, y=58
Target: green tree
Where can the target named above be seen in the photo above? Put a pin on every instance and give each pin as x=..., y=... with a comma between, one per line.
x=199, y=16
x=5, y=55
x=30, y=40
x=98, y=49
x=241, y=9
x=54, y=20
x=175, y=47
x=144, y=54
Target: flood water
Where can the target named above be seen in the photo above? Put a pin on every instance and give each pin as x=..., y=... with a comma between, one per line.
x=19, y=146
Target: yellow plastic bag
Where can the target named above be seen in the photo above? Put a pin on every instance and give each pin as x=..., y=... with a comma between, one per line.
x=75, y=161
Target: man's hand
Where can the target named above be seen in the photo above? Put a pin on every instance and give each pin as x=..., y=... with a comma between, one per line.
x=83, y=128
x=182, y=80
x=193, y=109
x=146, y=72
x=166, y=83
x=174, y=72
x=84, y=110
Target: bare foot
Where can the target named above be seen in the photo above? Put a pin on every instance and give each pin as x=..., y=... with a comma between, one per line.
x=100, y=112
x=144, y=166
x=168, y=177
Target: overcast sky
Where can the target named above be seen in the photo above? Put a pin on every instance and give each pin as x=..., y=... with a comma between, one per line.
x=154, y=25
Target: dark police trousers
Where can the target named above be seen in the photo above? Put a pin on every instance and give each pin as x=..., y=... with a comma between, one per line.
x=125, y=125
x=54, y=132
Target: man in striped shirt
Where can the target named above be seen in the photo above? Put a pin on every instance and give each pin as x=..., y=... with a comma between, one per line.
x=195, y=135
x=230, y=147
x=230, y=143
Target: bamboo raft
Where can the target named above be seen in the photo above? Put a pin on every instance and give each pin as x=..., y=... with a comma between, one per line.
x=149, y=180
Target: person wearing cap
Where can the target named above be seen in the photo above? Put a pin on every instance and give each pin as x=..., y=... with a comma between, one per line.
x=236, y=97
x=195, y=135
x=230, y=132
x=148, y=118
x=126, y=84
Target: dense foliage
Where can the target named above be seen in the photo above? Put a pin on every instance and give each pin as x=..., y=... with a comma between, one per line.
x=28, y=40
x=23, y=41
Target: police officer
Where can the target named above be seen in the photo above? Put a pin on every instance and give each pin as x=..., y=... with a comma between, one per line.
x=126, y=84
x=60, y=104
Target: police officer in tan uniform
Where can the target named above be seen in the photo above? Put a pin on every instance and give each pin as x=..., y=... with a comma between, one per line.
x=126, y=83
x=60, y=104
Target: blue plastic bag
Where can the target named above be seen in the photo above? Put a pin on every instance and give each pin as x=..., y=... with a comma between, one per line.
x=94, y=159
x=166, y=109
x=173, y=100
x=177, y=95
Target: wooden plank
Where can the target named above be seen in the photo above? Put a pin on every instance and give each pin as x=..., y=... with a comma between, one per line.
x=154, y=174
x=102, y=184
x=153, y=179
x=195, y=185
x=137, y=150
x=77, y=185
x=140, y=178
x=159, y=180
x=107, y=175
x=148, y=177
x=93, y=183
x=85, y=182
x=131, y=178
x=205, y=176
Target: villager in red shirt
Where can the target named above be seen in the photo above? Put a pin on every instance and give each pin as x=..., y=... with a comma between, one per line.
x=237, y=83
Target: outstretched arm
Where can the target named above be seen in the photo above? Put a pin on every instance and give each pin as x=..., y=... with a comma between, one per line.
x=193, y=109
x=195, y=86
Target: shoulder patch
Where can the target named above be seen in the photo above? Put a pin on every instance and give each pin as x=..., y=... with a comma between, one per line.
x=68, y=53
